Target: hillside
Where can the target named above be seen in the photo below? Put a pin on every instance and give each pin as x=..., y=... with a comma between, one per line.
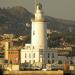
x=61, y=25
x=14, y=20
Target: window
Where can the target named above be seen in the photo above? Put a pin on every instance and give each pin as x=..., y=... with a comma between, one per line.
x=28, y=46
x=52, y=61
x=1, y=55
x=59, y=62
x=33, y=32
x=52, y=55
x=48, y=55
x=39, y=60
x=25, y=55
x=33, y=55
x=29, y=55
x=33, y=47
x=33, y=61
x=25, y=61
x=29, y=61
x=48, y=61
x=71, y=62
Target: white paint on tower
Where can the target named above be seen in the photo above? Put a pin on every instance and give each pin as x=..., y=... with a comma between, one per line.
x=38, y=35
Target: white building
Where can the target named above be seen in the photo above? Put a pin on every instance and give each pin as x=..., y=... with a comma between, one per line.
x=37, y=53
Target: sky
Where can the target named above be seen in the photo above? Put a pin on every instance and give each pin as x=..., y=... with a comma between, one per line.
x=64, y=9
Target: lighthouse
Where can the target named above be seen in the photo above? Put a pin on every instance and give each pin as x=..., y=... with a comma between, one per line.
x=38, y=33
x=37, y=53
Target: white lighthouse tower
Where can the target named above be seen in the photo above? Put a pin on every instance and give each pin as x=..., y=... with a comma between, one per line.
x=38, y=33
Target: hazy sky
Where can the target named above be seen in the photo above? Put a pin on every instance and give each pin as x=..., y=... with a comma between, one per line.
x=64, y=9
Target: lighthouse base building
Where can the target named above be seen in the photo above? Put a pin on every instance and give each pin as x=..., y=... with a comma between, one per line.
x=39, y=57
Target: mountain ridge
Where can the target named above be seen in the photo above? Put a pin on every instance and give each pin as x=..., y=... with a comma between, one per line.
x=14, y=20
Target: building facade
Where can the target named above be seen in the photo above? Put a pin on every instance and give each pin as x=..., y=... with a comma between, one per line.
x=13, y=56
x=38, y=57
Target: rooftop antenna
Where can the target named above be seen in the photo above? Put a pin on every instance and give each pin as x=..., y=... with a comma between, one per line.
x=39, y=1
x=35, y=3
